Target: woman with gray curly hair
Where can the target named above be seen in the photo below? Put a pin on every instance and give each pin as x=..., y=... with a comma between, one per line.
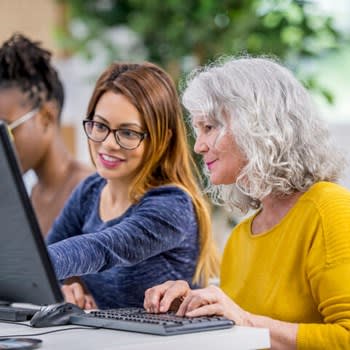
x=287, y=266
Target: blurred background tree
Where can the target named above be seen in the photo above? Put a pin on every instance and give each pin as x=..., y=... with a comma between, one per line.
x=179, y=35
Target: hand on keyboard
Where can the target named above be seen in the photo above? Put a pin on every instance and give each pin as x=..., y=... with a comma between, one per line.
x=166, y=296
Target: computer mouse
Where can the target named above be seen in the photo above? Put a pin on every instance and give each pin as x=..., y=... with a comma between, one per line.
x=55, y=315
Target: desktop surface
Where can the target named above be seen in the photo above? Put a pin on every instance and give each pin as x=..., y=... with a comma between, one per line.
x=104, y=339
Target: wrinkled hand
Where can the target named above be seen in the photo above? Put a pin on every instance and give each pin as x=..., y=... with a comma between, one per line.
x=75, y=292
x=212, y=301
x=166, y=296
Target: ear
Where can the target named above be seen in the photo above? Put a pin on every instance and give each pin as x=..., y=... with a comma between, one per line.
x=48, y=114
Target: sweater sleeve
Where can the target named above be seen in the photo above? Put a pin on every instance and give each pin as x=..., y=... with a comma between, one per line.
x=333, y=286
x=156, y=224
x=328, y=272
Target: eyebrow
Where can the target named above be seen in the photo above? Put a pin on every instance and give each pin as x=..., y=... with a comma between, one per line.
x=199, y=123
x=120, y=125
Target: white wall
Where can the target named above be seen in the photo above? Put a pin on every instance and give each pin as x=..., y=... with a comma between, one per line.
x=78, y=77
x=341, y=134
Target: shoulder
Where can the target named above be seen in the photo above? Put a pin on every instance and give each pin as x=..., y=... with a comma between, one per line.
x=328, y=197
x=167, y=193
x=167, y=199
x=332, y=203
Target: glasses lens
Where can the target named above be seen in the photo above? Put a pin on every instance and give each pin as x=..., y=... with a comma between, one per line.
x=96, y=131
x=127, y=138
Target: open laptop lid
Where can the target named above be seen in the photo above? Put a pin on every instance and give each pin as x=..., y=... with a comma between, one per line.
x=26, y=273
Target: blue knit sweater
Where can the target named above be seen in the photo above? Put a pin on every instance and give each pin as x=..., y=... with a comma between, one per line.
x=153, y=241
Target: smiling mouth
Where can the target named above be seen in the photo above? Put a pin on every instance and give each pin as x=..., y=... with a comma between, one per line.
x=109, y=161
x=108, y=158
x=210, y=164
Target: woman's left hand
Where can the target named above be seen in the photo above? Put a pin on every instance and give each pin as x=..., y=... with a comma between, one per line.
x=212, y=301
x=75, y=292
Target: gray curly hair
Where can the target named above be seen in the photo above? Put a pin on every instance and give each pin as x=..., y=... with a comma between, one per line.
x=273, y=121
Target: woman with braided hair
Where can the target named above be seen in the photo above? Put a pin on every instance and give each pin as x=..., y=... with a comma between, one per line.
x=31, y=100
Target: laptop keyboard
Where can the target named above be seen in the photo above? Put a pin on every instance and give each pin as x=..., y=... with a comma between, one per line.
x=138, y=320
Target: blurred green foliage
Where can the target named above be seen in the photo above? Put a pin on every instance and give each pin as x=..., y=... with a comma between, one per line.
x=181, y=34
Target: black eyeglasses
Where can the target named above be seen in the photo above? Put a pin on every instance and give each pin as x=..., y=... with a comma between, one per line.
x=125, y=138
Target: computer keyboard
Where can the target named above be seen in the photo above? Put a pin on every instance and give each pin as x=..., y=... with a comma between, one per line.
x=138, y=320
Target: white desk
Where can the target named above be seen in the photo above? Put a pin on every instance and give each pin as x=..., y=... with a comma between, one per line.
x=103, y=339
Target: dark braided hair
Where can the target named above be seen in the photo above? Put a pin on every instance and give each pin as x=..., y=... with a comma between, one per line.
x=27, y=66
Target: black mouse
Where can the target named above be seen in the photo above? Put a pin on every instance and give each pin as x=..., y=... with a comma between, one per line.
x=55, y=315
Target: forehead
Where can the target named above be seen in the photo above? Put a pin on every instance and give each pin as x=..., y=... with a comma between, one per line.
x=117, y=108
x=200, y=119
x=201, y=116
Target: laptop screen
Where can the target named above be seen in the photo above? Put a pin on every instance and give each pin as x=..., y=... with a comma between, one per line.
x=26, y=273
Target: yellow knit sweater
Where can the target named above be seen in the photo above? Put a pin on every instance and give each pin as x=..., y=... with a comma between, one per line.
x=299, y=271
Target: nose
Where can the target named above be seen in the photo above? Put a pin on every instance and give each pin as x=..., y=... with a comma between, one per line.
x=111, y=141
x=200, y=146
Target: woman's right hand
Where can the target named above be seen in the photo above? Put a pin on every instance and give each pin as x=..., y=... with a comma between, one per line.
x=166, y=296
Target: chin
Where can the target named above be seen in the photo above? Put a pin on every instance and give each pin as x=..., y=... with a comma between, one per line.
x=105, y=173
x=215, y=181
x=222, y=181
